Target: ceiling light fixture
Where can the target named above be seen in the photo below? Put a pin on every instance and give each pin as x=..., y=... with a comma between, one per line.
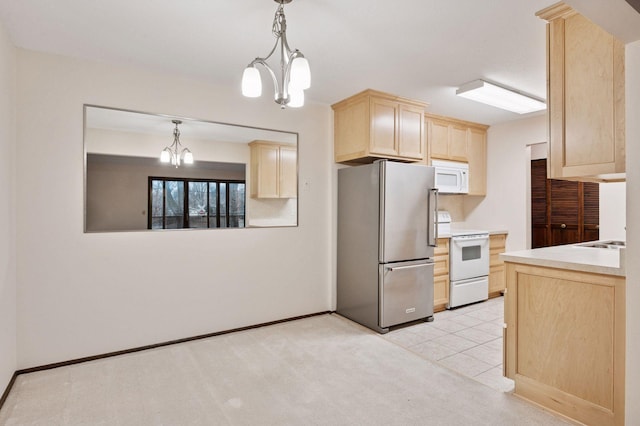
x=295, y=75
x=172, y=154
x=500, y=97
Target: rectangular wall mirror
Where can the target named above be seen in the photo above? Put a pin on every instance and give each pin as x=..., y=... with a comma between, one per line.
x=240, y=177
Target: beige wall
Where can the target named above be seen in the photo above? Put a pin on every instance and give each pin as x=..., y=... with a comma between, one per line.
x=84, y=294
x=505, y=206
x=613, y=211
x=7, y=211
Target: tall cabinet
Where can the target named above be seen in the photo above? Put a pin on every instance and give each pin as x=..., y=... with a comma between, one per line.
x=586, y=98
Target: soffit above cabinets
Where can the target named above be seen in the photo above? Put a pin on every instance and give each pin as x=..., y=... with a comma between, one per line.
x=618, y=17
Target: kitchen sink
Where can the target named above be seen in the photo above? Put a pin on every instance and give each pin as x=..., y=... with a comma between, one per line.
x=611, y=244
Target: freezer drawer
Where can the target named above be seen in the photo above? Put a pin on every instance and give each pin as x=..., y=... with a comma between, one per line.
x=406, y=291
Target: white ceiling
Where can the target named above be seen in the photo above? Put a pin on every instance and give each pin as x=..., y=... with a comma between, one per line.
x=421, y=49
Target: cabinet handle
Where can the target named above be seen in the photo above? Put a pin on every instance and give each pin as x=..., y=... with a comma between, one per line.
x=563, y=226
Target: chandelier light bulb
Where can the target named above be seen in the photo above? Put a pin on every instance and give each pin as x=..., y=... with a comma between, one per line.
x=188, y=157
x=300, y=77
x=251, y=82
x=165, y=155
x=296, y=97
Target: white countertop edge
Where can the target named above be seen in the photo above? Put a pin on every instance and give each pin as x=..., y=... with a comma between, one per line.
x=582, y=259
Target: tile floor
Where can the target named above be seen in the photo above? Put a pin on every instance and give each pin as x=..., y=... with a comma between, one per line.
x=467, y=340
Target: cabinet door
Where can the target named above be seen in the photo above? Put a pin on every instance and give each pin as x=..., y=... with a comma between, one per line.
x=411, y=132
x=384, y=132
x=265, y=170
x=441, y=275
x=440, y=292
x=288, y=172
x=586, y=99
x=439, y=139
x=497, y=279
x=458, y=143
x=477, y=156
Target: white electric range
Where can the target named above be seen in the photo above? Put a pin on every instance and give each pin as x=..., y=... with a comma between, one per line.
x=468, y=263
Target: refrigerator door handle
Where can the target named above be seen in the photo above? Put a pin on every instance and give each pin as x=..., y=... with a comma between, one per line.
x=432, y=232
x=399, y=268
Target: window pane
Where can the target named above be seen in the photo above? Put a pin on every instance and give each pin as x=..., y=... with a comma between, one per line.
x=157, y=191
x=223, y=204
x=213, y=205
x=198, y=204
x=174, y=204
x=236, y=205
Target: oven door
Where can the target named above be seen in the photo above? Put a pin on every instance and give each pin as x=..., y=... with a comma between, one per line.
x=469, y=257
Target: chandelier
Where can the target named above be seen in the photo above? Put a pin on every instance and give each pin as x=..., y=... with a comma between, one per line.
x=295, y=76
x=173, y=154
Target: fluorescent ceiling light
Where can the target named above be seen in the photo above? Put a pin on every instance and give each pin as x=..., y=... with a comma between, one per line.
x=500, y=97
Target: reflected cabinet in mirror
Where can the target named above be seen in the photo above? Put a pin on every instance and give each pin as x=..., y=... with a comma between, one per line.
x=153, y=172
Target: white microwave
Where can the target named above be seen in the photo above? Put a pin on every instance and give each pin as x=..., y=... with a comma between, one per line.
x=452, y=177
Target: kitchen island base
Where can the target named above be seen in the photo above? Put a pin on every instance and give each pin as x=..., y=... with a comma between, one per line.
x=565, y=341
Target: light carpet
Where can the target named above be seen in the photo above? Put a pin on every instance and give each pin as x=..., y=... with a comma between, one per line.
x=322, y=370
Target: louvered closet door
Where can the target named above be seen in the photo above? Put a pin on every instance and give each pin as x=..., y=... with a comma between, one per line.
x=591, y=207
x=539, y=222
x=565, y=218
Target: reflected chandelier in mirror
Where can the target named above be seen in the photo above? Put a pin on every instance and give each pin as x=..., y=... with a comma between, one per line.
x=242, y=177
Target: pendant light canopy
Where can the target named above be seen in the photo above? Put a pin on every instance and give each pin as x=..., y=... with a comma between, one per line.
x=295, y=75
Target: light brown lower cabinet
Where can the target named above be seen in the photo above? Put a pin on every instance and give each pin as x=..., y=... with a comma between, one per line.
x=565, y=341
x=441, y=275
x=497, y=279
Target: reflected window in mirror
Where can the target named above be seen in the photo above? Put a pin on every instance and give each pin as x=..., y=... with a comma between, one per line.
x=188, y=203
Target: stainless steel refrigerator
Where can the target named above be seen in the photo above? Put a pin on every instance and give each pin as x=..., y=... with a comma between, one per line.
x=386, y=233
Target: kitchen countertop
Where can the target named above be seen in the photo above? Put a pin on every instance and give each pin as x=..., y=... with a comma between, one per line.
x=490, y=231
x=572, y=257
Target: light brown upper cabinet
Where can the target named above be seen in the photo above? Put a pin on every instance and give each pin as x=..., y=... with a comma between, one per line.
x=448, y=139
x=372, y=125
x=273, y=170
x=586, y=101
x=464, y=141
